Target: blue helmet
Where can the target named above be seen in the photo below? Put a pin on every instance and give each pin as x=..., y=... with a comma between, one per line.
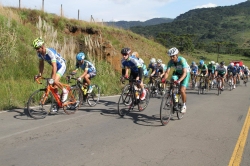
x=80, y=56
x=201, y=62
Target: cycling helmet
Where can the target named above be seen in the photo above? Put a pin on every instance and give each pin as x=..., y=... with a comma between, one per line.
x=38, y=42
x=201, y=62
x=135, y=54
x=237, y=64
x=125, y=51
x=222, y=63
x=193, y=63
x=232, y=64
x=212, y=62
x=173, y=51
x=159, y=61
x=152, y=60
x=80, y=56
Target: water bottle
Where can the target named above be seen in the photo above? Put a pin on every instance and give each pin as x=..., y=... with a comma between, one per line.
x=137, y=95
x=176, y=97
x=84, y=89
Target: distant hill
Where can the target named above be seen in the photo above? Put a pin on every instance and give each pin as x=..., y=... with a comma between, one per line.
x=207, y=25
x=128, y=24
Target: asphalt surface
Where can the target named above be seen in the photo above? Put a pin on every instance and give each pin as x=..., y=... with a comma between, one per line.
x=98, y=136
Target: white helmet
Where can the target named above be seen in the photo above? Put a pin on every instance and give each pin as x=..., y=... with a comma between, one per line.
x=212, y=62
x=173, y=51
x=152, y=60
x=159, y=61
x=232, y=64
x=237, y=64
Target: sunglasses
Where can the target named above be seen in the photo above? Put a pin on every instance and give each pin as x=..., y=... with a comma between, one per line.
x=124, y=54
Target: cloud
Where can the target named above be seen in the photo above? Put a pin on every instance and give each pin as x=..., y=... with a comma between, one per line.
x=209, y=5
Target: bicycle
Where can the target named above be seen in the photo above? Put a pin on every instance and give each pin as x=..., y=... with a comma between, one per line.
x=91, y=98
x=193, y=79
x=156, y=87
x=130, y=98
x=219, y=84
x=245, y=78
x=171, y=103
x=202, y=84
x=230, y=81
x=44, y=101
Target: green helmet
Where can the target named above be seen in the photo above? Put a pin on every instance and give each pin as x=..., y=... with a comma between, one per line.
x=38, y=42
x=175, y=77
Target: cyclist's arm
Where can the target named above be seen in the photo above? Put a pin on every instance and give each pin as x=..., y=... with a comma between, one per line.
x=84, y=73
x=41, y=67
x=166, y=74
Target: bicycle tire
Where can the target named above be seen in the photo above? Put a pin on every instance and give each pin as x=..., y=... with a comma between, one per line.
x=180, y=103
x=123, y=107
x=76, y=93
x=144, y=103
x=37, y=110
x=219, y=87
x=166, y=108
x=94, y=97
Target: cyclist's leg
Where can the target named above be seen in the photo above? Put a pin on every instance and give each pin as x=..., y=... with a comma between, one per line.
x=184, y=85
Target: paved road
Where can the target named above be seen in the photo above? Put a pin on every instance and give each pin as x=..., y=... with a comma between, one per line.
x=97, y=136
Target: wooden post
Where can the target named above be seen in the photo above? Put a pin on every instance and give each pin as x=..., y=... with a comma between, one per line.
x=19, y=4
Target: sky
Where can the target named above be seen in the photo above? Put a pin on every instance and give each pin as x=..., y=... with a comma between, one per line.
x=119, y=10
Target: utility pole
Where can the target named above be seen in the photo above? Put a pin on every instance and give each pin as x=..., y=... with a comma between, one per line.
x=61, y=10
x=19, y=4
x=78, y=13
x=43, y=6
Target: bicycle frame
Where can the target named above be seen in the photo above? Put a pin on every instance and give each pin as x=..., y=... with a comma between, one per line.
x=49, y=88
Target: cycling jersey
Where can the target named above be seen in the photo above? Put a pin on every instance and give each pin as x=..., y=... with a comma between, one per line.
x=221, y=70
x=238, y=69
x=52, y=56
x=194, y=69
x=232, y=69
x=132, y=63
x=86, y=66
x=203, y=68
x=211, y=67
x=179, y=66
x=158, y=69
x=151, y=66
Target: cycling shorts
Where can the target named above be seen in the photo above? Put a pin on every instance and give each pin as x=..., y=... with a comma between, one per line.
x=210, y=72
x=92, y=74
x=222, y=75
x=185, y=81
x=62, y=70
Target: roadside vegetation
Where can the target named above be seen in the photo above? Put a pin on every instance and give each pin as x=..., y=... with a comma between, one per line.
x=101, y=44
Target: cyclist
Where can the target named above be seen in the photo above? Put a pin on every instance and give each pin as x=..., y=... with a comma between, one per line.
x=144, y=67
x=203, y=70
x=194, y=71
x=211, y=71
x=182, y=70
x=221, y=70
x=55, y=60
x=246, y=72
x=158, y=70
x=88, y=68
x=231, y=69
x=129, y=62
x=238, y=72
x=152, y=66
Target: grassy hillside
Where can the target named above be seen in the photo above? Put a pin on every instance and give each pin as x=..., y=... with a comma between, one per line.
x=101, y=44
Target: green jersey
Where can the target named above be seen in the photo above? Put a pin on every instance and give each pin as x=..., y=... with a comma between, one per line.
x=202, y=68
x=211, y=67
x=179, y=65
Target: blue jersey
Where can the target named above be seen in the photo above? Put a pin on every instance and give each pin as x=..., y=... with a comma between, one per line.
x=238, y=69
x=152, y=66
x=132, y=63
x=52, y=56
x=194, y=68
x=231, y=69
x=86, y=66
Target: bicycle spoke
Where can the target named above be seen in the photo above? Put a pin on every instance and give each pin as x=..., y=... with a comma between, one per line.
x=93, y=97
x=166, y=109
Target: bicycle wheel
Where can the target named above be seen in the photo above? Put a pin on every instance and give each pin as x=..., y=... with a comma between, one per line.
x=166, y=108
x=180, y=103
x=219, y=87
x=199, y=88
x=125, y=106
x=75, y=94
x=144, y=103
x=94, y=97
x=39, y=105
